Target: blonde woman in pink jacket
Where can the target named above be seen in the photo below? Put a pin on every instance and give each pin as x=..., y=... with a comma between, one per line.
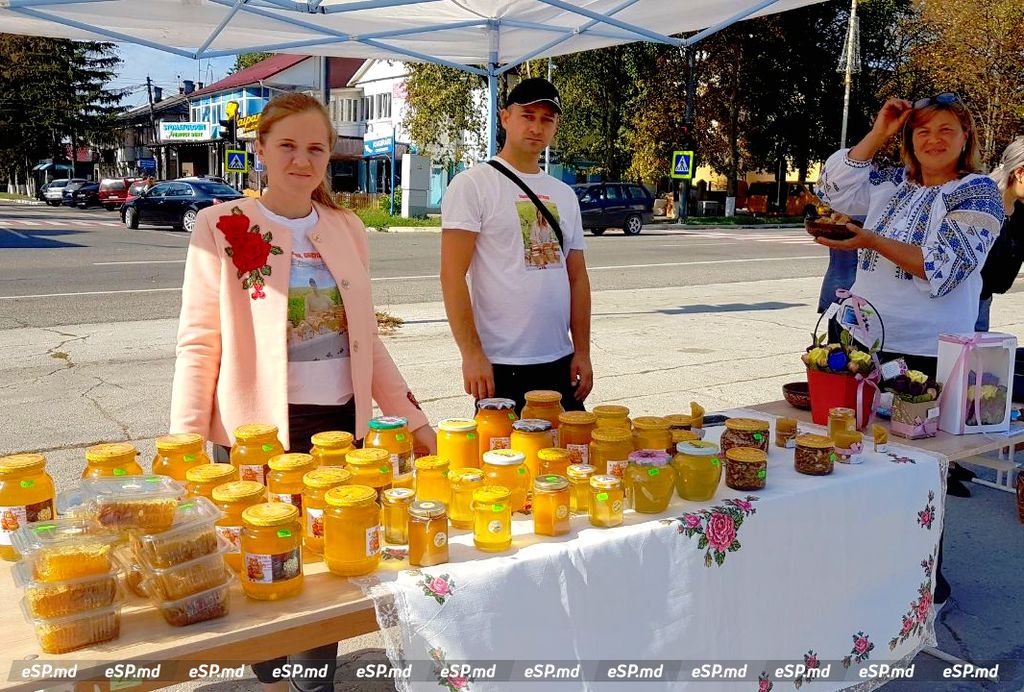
x=253, y=349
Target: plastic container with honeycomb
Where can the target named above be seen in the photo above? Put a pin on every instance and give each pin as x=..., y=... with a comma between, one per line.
x=182, y=580
x=65, y=548
x=52, y=599
x=147, y=503
x=199, y=607
x=64, y=634
x=191, y=536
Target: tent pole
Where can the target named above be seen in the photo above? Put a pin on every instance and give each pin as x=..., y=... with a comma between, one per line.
x=492, y=91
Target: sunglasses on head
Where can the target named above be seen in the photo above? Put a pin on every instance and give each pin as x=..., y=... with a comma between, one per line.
x=945, y=98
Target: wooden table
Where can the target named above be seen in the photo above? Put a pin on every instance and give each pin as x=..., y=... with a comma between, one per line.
x=965, y=448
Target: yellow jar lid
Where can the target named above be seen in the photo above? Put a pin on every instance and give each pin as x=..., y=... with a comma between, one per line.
x=679, y=420
x=543, y=396
x=812, y=441
x=650, y=423
x=431, y=463
x=577, y=418
x=270, y=514
x=457, y=425
x=553, y=454
x=611, y=411
x=292, y=462
x=427, y=509
x=351, y=496
x=492, y=493
x=21, y=463
x=368, y=456
x=326, y=477
x=205, y=473
x=747, y=455
x=580, y=472
x=465, y=475
x=605, y=482
x=332, y=439
x=611, y=435
x=746, y=425
x=697, y=448
x=114, y=451
x=550, y=483
x=504, y=457
x=177, y=441
x=239, y=491
x=254, y=431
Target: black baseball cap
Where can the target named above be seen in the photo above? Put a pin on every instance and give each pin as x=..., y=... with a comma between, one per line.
x=534, y=90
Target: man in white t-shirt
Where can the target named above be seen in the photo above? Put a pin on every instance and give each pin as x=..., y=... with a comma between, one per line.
x=526, y=291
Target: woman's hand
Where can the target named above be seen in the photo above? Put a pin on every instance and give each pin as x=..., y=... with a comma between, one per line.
x=891, y=117
x=424, y=441
x=863, y=239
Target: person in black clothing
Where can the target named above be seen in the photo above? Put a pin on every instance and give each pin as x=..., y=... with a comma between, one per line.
x=1007, y=254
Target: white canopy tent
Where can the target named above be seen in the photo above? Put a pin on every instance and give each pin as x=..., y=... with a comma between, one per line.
x=484, y=37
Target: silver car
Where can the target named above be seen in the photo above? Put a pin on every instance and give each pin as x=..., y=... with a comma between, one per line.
x=54, y=194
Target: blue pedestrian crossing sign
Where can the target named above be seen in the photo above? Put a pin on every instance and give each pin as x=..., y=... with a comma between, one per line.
x=236, y=161
x=682, y=165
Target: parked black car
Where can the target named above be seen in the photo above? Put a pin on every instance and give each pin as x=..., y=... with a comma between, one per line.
x=68, y=193
x=175, y=203
x=87, y=195
x=615, y=205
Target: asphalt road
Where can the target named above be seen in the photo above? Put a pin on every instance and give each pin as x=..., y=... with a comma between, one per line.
x=62, y=266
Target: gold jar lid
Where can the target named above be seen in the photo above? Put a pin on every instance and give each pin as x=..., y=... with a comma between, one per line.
x=292, y=462
x=577, y=418
x=326, y=477
x=465, y=474
x=504, y=457
x=611, y=435
x=812, y=441
x=427, y=509
x=332, y=439
x=750, y=425
x=605, y=482
x=270, y=514
x=351, y=496
x=431, y=463
x=368, y=456
x=550, y=483
x=239, y=491
x=458, y=425
x=553, y=454
x=611, y=411
x=398, y=496
x=580, y=472
x=114, y=451
x=490, y=494
x=650, y=423
x=679, y=420
x=543, y=396
x=22, y=463
x=207, y=473
x=747, y=455
x=178, y=441
x=255, y=431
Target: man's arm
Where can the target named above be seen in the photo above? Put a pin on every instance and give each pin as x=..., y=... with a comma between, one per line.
x=581, y=370
x=457, y=247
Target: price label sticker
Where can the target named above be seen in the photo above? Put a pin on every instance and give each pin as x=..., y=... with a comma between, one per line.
x=521, y=471
x=832, y=457
x=470, y=436
x=120, y=472
x=189, y=458
x=497, y=508
x=758, y=437
x=653, y=472
x=762, y=473
x=400, y=437
x=512, y=416
x=602, y=497
x=284, y=533
x=267, y=448
x=715, y=461
x=27, y=483
x=384, y=469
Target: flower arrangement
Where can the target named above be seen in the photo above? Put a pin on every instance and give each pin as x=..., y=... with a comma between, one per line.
x=992, y=398
x=844, y=358
x=915, y=387
x=915, y=409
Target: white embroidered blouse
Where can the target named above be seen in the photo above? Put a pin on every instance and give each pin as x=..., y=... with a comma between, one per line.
x=954, y=224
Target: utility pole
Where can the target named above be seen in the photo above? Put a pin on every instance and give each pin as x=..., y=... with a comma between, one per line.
x=849, y=65
x=691, y=95
x=152, y=124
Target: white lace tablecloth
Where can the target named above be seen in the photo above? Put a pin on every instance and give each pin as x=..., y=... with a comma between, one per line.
x=822, y=571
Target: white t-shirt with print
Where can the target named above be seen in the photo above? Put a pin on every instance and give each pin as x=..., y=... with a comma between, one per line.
x=319, y=362
x=518, y=282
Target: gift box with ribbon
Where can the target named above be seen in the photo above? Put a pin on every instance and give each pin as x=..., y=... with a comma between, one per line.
x=976, y=374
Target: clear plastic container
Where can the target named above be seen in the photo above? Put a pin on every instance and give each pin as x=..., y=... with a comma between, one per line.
x=192, y=536
x=182, y=580
x=53, y=599
x=65, y=548
x=61, y=635
x=148, y=503
x=199, y=607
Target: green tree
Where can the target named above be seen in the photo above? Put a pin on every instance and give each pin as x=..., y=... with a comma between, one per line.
x=244, y=60
x=445, y=113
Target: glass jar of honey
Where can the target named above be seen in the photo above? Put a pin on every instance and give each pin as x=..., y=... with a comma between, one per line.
x=492, y=518
x=507, y=468
x=612, y=416
x=176, y=454
x=428, y=534
x=432, y=480
x=255, y=445
x=352, y=530
x=315, y=485
x=114, y=459
x=26, y=495
x=841, y=420
x=545, y=404
x=745, y=432
x=201, y=480
x=698, y=470
x=271, y=551
x=610, y=450
x=396, y=503
x=746, y=468
x=606, y=500
x=551, y=506
x=651, y=432
x=331, y=446
x=457, y=442
x=785, y=432
x=679, y=435
x=494, y=418
x=650, y=481
x=232, y=499
x=574, y=432
x=553, y=460
x=284, y=484
x=463, y=482
x=679, y=421
x=391, y=433
x=529, y=436
x=371, y=467
x=579, y=487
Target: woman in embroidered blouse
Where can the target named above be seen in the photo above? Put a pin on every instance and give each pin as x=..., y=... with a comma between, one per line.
x=929, y=224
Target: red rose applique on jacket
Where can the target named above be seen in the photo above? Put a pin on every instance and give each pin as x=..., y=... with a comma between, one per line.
x=248, y=249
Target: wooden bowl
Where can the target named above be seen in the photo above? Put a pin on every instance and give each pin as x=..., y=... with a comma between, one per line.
x=798, y=395
x=832, y=231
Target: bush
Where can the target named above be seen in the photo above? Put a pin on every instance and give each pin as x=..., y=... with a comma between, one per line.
x=384, y=203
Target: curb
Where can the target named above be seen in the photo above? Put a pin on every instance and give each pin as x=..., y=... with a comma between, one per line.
x=404, y=229
x=26, y=202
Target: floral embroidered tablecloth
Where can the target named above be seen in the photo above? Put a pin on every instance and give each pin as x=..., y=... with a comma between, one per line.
x=816, y=571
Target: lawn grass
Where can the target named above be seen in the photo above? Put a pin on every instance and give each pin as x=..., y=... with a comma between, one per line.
x=374, y=218
x=10, y=195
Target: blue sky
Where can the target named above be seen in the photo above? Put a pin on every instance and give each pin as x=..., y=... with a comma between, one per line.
x=165, y=69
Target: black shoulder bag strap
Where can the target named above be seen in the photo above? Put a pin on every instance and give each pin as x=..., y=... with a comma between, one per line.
x=541, y=207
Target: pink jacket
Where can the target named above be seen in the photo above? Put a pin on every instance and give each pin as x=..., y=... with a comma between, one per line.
x=232, y=355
